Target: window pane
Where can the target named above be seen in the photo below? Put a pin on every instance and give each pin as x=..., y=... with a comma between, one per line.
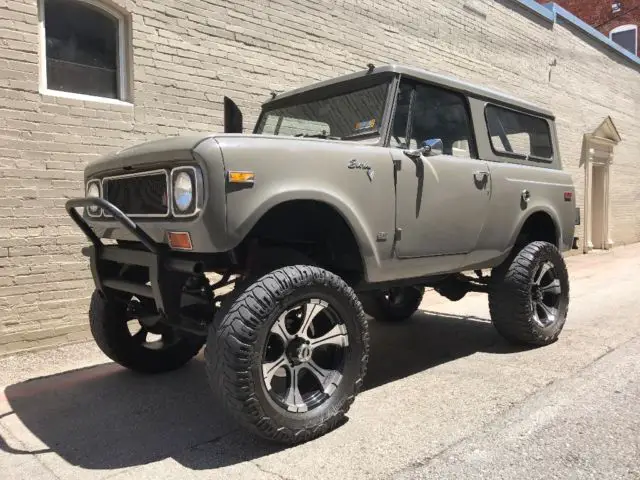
x=296, y=126
x=514, y=132
x=270, y=124
x=626, y=39
x=401, y=117
x=82, y=49
x=442, y=114
x=350, y=114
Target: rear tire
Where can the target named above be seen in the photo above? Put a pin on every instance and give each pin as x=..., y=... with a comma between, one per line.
x=109, y=326
x=529, y=295
x=277, y=325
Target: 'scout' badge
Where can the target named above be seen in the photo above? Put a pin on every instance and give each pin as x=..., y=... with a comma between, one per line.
x=355, y=164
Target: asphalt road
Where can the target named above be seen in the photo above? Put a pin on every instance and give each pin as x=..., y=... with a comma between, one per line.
x=445, y=397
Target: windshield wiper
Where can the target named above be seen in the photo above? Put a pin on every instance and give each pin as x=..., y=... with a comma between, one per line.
x=317, y=135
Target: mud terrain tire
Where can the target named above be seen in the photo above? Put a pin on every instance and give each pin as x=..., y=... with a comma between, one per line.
x=107, y=320
x=532, y=285
x=238, y=344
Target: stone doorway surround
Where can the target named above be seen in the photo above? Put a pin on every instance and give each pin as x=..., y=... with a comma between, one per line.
x=597, y=157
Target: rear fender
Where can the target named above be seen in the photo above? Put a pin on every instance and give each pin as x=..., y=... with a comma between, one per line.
x=550, y=212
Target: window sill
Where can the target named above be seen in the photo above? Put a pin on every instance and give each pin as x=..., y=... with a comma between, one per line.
x=85, y=98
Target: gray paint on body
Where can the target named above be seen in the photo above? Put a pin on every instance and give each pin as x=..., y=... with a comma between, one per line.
x=449, y=221
x=423, y=76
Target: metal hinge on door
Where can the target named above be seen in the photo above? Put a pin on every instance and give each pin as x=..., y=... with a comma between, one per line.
x=398, y=235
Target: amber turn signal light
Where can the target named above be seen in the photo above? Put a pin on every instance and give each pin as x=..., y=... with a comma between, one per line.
x=180, y=240
x=241, y=177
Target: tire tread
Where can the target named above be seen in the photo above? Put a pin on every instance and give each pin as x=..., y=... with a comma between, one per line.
x=509, y=294
x=229, y=352
x=105, y=323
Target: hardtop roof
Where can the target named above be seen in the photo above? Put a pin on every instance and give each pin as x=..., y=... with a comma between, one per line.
x=426, y=76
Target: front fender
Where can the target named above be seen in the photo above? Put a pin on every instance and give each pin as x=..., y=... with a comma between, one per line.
x=239, y=226
x=288, y=169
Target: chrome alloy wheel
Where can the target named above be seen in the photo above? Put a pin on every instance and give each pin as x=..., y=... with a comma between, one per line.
x=304, y=358
x=546, y=294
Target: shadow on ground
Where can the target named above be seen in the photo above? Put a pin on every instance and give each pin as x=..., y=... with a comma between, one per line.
x=105, y=417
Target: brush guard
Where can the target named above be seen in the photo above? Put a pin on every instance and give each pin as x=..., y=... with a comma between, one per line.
x=168, y=271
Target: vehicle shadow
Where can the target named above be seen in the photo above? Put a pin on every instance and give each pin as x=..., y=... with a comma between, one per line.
x=106, y=417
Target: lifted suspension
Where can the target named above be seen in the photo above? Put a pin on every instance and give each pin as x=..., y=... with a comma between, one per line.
x=455, y=287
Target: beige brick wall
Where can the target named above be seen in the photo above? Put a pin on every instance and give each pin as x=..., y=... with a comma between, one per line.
x=187, y=54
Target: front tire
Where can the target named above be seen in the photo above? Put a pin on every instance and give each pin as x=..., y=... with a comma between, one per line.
x=110, y=326
x=288, y=356
x=529, y=295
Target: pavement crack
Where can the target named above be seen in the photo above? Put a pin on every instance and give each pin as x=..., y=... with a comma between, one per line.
x=46, y=467
x=269, y=472
x=213, y=441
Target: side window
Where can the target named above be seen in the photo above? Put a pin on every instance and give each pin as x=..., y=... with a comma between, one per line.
x=518, y=133
x=439, y=113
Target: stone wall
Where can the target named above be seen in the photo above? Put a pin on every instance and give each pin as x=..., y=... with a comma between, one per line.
x=185, y=55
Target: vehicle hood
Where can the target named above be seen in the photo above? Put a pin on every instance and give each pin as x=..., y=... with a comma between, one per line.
x=178, y=148
x=147, y=153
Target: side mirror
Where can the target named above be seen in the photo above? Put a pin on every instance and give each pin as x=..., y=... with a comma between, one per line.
x=232, y=117
x=433, y=146
x=430, y=148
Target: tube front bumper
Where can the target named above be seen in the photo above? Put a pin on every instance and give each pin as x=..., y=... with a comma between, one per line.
x=161, y=264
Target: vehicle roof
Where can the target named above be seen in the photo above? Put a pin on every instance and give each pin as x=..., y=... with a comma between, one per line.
x=426, y=76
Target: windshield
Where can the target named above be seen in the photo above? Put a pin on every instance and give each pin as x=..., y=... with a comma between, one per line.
x=348, y=115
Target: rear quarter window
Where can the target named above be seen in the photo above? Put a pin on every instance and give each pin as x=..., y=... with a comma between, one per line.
x=518, y=134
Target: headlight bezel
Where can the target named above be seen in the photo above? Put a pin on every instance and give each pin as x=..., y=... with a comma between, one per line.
x=194, y=206
x=98, y=211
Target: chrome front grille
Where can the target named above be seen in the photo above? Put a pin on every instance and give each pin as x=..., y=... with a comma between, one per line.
x=143, y=194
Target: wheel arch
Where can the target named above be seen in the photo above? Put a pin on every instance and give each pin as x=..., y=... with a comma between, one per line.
x=325, y=217
x=540, y=224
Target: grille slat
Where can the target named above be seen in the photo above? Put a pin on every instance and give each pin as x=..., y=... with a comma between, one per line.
x=139, y=195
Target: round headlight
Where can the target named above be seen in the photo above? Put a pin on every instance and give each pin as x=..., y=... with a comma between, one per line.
x=93, y=191
x=183, y=191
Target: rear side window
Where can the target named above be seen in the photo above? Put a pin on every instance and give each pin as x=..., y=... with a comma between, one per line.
x=518, y=134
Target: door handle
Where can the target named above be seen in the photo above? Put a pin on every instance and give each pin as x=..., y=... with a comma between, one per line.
x=480, y=175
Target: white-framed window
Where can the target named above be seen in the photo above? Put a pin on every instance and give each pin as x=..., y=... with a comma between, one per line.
x=82, y=50
x=626, y=36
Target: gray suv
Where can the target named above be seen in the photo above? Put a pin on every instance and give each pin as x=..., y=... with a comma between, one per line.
x=350, y=197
